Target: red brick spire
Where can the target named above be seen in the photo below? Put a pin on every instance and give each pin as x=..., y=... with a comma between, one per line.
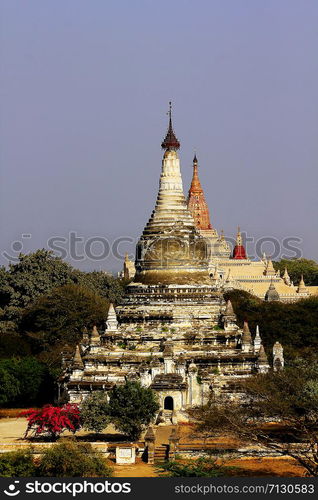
x=170, y=142
x=239, y=250
x=196, y=201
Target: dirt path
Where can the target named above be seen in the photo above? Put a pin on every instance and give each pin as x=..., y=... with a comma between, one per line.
x=12, y=429
x=140, y=469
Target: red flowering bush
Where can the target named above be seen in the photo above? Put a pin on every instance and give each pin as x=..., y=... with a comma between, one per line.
x=52, y=420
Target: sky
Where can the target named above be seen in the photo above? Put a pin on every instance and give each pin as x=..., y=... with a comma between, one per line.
x=84, y=94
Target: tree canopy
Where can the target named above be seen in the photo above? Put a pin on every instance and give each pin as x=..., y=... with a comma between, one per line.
x=60, y=316
x=298, y=267
x=94, y=411
x=35, y=275
x=131, y=408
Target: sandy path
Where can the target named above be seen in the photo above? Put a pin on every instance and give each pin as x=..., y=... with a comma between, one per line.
x=12, y=429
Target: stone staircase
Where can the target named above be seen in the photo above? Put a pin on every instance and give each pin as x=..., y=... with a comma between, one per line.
x=161, y=453
x=167, y=417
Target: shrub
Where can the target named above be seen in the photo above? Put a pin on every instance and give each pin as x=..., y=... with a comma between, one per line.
x=94, y=412
x=52, y=421
x=17, y=464
x=71, y=459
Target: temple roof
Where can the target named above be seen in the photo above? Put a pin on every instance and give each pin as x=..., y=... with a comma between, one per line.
x=168, y=381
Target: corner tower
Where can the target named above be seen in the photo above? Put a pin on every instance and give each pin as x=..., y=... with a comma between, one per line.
x=170, y=249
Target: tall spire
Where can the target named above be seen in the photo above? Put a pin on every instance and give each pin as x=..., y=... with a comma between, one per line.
x=239, y=249
x=196, y=201
x=170, y=142
x=170, y=249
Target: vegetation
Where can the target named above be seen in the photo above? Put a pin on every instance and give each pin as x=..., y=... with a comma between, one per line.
x=94, y=412
x=288, y=397
x=202, y=467
x=17, y=463
x=38, y=273
x=131, y=408
x=23, y=381
x=64, y=459
x=294, y=325
x=59, y=317
x=52, y=421
x=44, y=304
x=71, y=459
x=298, y=267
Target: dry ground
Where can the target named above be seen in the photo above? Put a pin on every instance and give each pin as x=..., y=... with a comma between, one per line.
x=12, y=430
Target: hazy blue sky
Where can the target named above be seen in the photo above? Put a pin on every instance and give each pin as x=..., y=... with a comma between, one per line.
x=84, y=93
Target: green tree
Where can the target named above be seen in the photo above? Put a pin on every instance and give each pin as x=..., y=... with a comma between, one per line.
x=288, y=397
x=37, y=274
x=71, y=459
x=297, y=267
x=108, y=287
x=60, y=316
x=33, y=275
x=131, y=408
x=94, y=412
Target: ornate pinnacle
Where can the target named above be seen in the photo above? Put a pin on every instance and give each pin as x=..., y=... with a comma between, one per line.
x=246, y=336
x=195, y=187
x=239, y=236
x=170, y=142
x=77, y=360
x=262, y=357
x=229, y=309
x=239, y=249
